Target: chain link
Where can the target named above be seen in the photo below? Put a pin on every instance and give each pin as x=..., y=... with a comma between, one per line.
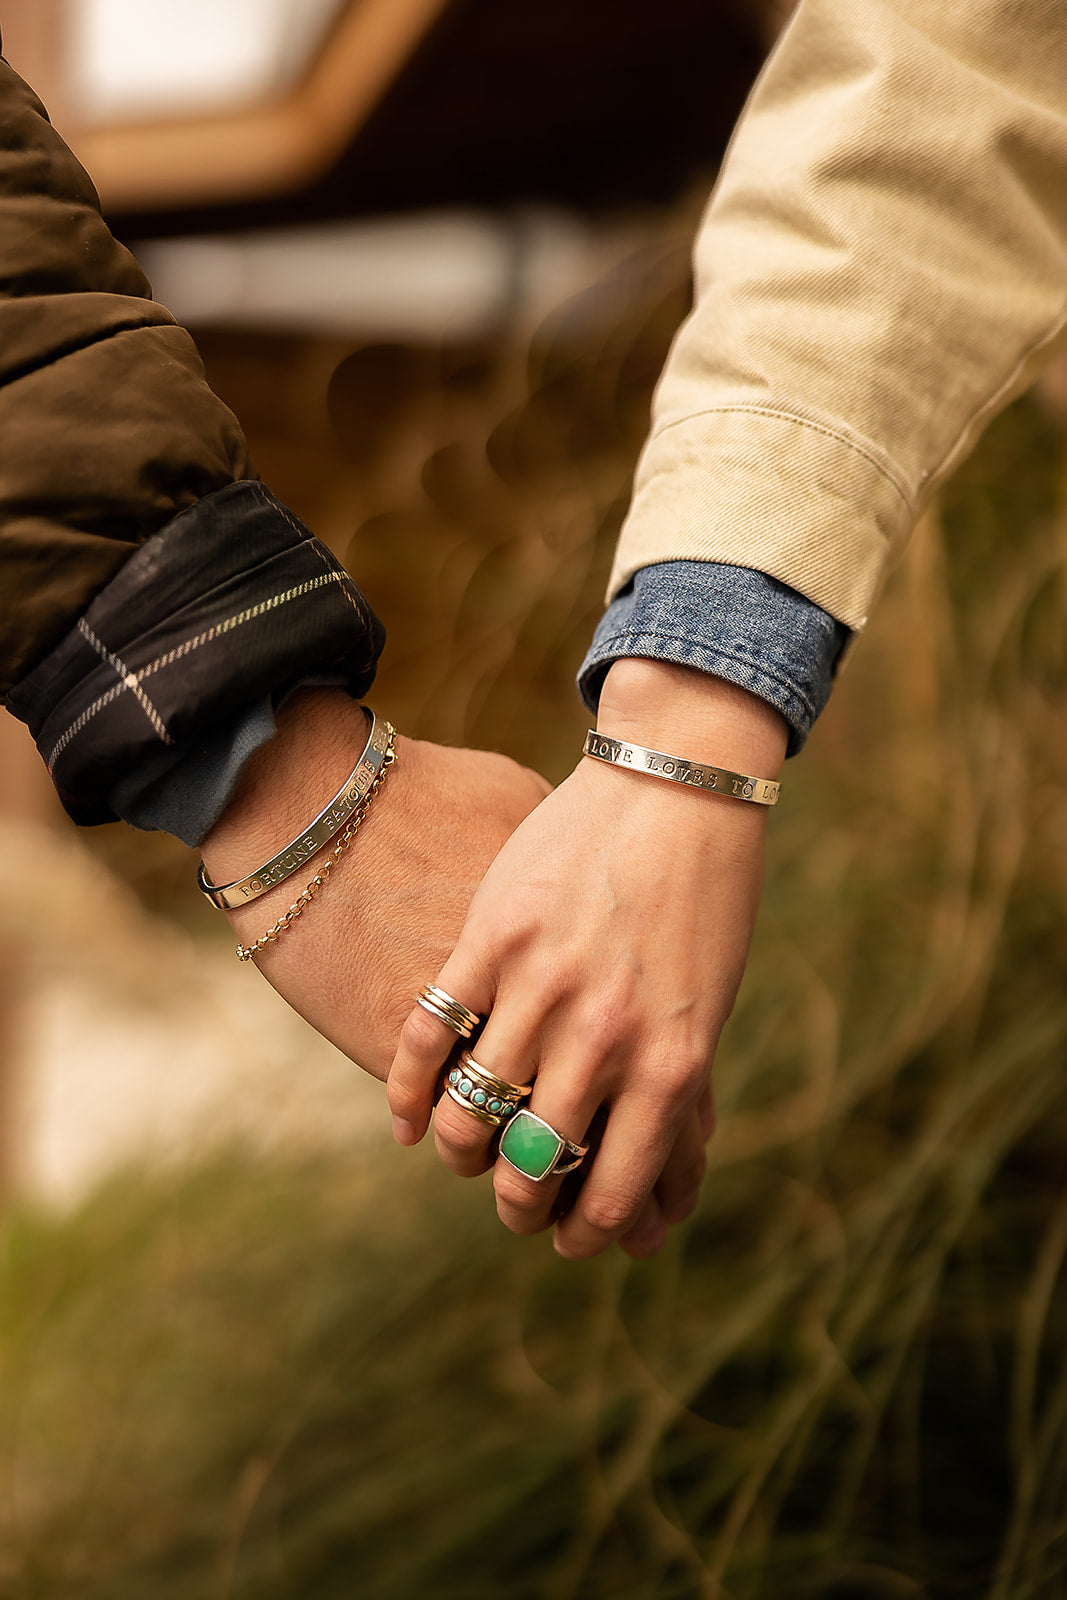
x=245, y=952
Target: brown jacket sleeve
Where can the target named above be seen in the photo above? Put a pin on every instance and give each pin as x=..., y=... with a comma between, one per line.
x=150, y=585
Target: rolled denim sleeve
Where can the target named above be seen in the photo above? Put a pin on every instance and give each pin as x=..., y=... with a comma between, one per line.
x=732, y=622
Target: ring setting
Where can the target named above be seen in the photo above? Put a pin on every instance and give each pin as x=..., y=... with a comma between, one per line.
x=453, y=1013
x=492, y=1100
x=534, y=1148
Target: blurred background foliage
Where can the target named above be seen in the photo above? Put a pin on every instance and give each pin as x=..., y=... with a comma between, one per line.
x=846, y=1377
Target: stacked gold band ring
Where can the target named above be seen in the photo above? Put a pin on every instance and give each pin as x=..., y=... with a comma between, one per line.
x=491, y=1099
x=453, y=1013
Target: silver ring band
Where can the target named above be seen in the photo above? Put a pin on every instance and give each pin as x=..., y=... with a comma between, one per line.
x=453, y=1013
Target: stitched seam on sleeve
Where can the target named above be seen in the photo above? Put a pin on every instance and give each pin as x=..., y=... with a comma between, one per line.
x=182, y=650
x=303, y=534
x=852, y=443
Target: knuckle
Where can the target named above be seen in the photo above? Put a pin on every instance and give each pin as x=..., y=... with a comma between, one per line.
x=681, y=1206
x=421, y=1035
x=406, y=1099
x=611, y=1210
x=462, y=1136
x=603, y=1028
x=495, y=933
x=525, y=1223
x=683, y=1075
x=685, y=1185
x=518, y=1195
x=469, y=1165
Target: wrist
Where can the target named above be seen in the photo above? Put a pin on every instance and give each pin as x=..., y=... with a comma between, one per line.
x=686, y=712
x=286, y=783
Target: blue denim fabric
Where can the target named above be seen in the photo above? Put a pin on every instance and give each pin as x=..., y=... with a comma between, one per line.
x=733, y=622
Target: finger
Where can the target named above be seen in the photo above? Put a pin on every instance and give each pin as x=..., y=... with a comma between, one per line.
x=568, y=1101
x=425, y=1045
x=706, y=1112
x=636, y=1145
x=508, y=1047
x=461, y=1135
x=678, y=1185
x=648, y=1234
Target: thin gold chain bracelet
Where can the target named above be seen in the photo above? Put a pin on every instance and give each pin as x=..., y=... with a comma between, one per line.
x=245, y=952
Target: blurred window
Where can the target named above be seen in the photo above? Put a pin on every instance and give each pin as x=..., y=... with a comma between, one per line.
x=176, y=58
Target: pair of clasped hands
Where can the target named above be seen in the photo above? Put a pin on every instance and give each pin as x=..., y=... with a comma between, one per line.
x=601, y=927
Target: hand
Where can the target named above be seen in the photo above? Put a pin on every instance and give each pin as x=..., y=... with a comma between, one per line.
x=394, y=904
x=606, y=943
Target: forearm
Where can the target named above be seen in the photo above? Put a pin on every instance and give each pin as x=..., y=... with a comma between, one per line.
x=282, y=787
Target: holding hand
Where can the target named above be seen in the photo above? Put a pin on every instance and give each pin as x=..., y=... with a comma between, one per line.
x=605, y=946
x=395, y=905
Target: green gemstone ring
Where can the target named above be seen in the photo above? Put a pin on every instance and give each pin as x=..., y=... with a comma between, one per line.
x=534, y=1148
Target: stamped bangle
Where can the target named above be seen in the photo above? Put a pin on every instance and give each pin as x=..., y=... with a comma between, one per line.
x=676, y=769
x=248, y=952
x=329, y=821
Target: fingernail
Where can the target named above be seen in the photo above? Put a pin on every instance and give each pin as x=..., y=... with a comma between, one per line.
x=404, y=1131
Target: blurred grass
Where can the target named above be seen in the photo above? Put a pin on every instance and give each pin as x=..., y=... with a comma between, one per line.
x=847, y=1377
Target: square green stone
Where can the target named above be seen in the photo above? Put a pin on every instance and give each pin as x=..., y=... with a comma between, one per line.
x=530, y=1145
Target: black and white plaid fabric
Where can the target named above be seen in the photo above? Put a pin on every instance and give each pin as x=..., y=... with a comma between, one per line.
x=229, y=601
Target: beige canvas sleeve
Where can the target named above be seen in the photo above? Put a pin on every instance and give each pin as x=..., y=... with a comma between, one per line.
x=882, y=267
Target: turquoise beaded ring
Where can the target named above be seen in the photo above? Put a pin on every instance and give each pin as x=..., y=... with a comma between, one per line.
x=491, y=1099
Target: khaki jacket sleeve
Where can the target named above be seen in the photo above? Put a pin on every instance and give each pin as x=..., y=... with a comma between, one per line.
x=882, y=267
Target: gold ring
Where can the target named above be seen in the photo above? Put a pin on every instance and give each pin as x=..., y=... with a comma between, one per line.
x=453, y=1013
x=514, y=1091
x=492, y=1100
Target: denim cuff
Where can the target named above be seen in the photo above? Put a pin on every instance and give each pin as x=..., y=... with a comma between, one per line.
x=733, y=622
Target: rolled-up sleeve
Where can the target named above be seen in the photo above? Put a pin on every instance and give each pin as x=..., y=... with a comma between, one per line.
x=153, y=590
x=731, y=622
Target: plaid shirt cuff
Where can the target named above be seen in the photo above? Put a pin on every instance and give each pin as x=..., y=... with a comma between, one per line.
x=230, y=601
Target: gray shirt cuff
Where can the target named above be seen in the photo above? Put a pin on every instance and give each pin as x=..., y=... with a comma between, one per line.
x=732, y=622
x=185, y=791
